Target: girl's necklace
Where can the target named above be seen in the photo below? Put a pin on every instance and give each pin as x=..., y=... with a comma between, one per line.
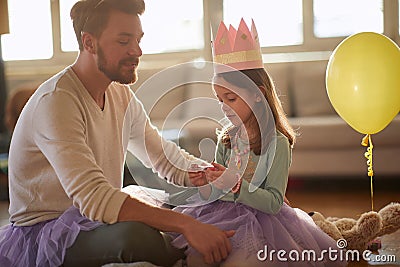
x=238, y=161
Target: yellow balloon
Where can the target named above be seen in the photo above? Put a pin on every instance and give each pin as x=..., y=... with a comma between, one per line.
x=363, y=81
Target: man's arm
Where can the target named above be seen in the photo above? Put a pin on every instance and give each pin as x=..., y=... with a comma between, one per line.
x=145, y=142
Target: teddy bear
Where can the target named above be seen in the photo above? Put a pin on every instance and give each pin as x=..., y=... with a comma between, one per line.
x=361, y=232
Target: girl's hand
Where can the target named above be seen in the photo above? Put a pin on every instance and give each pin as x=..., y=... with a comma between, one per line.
x=286, y=201
x=214, y=175
x=222, y=178
x=198, y=178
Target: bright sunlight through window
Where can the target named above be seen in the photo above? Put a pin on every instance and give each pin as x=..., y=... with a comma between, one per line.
x=343, y=17
x=278, y=23
x=172, y=25
x=178, y=25
x=169, y=26
x=30, y=34
x=68, y=38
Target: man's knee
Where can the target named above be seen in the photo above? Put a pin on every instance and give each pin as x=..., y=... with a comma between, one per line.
x=140, y=242
x=122, y=243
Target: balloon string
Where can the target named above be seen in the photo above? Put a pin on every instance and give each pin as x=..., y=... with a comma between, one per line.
x=367, y=141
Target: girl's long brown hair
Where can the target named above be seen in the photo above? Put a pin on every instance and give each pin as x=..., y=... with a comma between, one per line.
x=261, y=78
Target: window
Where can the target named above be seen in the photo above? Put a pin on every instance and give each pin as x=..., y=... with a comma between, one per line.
x=30, y=34
x=343, y=17
x=172, y=25
x=282, y=21
x=169, y=26
x=178, y=26
x=68, y=38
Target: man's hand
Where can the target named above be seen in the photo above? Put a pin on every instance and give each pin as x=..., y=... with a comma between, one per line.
x=209, y=241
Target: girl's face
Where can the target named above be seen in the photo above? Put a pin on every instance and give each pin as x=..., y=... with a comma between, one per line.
x=233, y=102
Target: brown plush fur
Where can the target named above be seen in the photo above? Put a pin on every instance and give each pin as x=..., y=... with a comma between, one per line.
x=358, y=233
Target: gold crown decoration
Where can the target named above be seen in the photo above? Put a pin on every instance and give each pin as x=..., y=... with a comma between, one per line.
x=238, y=49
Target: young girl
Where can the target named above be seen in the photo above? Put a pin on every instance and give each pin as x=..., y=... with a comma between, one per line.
x=268, y=232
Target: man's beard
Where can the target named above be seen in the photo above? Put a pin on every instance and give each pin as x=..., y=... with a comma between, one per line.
x=114, y=74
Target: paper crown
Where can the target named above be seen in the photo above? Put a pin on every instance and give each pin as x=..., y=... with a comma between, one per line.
x=238, y=49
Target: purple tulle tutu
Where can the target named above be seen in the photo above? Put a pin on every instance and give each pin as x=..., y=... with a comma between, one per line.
x=42, y=244
x=259, y=236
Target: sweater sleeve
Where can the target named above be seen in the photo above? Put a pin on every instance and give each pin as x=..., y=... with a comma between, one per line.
x=145, y=142
x=269, y=198
x=59, y=132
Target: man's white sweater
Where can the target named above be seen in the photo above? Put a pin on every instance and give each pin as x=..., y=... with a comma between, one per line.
x=66, y=151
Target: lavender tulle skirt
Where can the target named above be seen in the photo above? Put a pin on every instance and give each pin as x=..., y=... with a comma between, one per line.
x=42, y=244
x=259, y=236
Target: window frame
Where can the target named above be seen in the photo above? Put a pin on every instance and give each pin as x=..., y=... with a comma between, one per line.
x=212, y=9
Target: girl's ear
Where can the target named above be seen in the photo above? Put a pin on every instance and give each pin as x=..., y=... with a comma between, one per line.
x=262, y=89
x=260, y=94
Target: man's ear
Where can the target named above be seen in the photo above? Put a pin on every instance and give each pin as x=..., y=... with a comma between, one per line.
x=88, y=42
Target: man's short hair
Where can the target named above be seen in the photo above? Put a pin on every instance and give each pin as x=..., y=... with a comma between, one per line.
x=92, y=15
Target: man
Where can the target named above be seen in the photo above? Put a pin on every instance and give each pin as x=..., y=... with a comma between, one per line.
x=67, y=154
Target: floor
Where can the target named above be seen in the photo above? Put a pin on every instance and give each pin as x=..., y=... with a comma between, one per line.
x=346, y=197
x=349, y=198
